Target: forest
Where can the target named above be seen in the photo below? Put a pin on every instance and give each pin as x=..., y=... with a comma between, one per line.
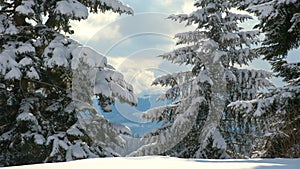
x=217, y=109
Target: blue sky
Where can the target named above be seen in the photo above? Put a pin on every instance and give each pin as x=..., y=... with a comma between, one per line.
x=132, y=43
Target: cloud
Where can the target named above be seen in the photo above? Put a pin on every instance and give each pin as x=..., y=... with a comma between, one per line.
x=140, y=69
x=165, y=6
x=113, y=34
x=86, y=29
x=132, y=43
x=175, y=6
x=188, y=6
x=142, y=81
x=142, y=31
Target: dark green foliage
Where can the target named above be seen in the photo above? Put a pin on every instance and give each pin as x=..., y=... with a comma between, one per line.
x=279, y=21
x=285, y=141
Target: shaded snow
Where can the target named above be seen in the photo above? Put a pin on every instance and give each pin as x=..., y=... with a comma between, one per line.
x=39, y=139
x=74, y=131
x=72, y=9
x=32, y=73
x=25, y=116
x=116, y=6
x=154, y=162
x=88, y=56
x=25, y=61
x=14, y=73
x=26, y=7
x=121, y=128
x=25, y=48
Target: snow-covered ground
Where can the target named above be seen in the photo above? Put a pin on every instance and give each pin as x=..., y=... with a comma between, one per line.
x=159, y=162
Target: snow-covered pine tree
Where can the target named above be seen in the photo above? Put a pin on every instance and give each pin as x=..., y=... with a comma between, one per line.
x=279, y=20
x=41, y=71
x=196, y=123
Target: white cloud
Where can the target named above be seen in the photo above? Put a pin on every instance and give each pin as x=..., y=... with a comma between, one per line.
x=178, y=6
x=188, y=6
x=113, y=33
x=139, y=71
x=86, y=29
x=142, y=81
x=116, y=61
x=165, y=2
x=106, y=31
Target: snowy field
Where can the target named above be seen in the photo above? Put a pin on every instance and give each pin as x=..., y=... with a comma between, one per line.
x=159, y=162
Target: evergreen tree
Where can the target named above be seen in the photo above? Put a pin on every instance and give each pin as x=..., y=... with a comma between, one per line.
x=47, y=81
x=198, y=123
x=280, y=23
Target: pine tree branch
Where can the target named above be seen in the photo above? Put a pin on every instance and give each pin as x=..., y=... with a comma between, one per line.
x=44, y=83
x=6, y=11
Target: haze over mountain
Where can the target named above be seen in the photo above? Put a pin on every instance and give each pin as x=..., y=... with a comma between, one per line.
x=131, y=116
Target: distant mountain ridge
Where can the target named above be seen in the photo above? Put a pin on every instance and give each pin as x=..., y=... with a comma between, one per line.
x=130, y=116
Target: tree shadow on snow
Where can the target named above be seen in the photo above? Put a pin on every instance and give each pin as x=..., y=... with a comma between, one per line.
x=261, y=163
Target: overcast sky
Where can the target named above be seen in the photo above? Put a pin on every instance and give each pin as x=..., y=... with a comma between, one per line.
x=132, y=43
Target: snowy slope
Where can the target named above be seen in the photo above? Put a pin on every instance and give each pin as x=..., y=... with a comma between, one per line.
x=158, y=162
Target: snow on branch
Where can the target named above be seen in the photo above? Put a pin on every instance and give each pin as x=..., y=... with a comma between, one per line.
x=112, y=84
x=249, y=37
x=174, y=79
x=197, y=17
x=121, y=128
x=184, y=55
x=26, y=7
x=244, y=106
x=184, y=119
x=88, y=56
x=72, y=9
x=235, y=17
x=7, y=26
x=179, y=17
x=190, y=37
x=265, y=102
x=171, y=94
x=114, y=5
x=159, y=113
x=296, y=22
x=58, y=52
x=92, y=76
x=264, y=10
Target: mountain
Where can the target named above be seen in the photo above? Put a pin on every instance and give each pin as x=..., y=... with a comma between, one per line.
x=130, y=116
